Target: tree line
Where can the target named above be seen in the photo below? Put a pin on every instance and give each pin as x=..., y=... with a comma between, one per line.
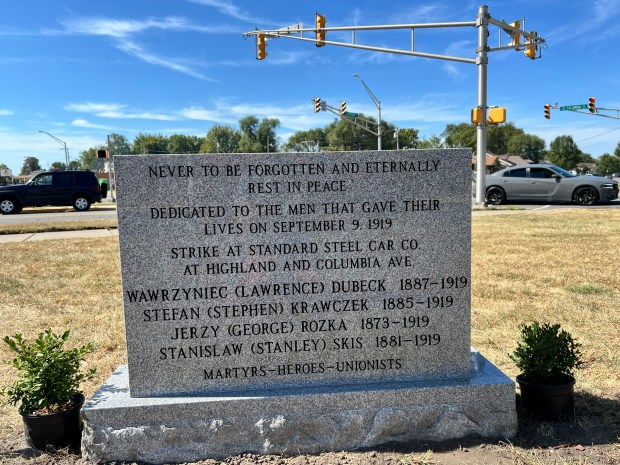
x=254, y=136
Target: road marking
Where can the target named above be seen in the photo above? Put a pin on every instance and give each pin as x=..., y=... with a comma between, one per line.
x=541, y=208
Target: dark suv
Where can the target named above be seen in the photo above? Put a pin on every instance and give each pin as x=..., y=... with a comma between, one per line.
x=77, y=188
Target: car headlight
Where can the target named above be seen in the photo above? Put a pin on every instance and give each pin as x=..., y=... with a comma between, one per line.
x=608, y=185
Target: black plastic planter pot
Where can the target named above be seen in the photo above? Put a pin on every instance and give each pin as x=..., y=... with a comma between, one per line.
x=59, y=430
x=550, y=402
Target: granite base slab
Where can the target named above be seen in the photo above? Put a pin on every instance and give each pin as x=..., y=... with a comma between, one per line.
x=118, y=427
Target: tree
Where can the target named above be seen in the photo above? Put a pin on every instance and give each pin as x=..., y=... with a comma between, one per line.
x=460, y=135
x=608, y=164
x=258, y=136
x=58, y=166
x=221, y=139
x=499, y=135
x=564, y=152
x=311, y=140
x=89, y=160
x=343, y=135
x=119, y=145
x=248, y=142
x=3, y=166
x=266, y=134
x=408, y=138
x=178, y=143
x=150, y=143
x=527, y=146
x=75, y=165
x=30, y=165
x=432, y=142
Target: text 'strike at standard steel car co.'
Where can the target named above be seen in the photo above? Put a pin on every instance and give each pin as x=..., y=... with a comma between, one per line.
x=548, y=183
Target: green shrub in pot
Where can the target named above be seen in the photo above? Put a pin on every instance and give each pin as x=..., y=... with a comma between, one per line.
x=48, y=384
x=547, y=356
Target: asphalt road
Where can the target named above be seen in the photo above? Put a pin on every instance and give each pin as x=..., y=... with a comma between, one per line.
x=105, y=211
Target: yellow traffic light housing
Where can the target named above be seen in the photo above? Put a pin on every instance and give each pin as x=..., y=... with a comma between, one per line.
x=592, y=105
x=102, y=154
x=497, y=115
x=261, y=45
x=343, y=108
x=547, y=111
x=476, y=115
x=320, y=34
x=317, y=104
x=515, y=36
x=530, y=50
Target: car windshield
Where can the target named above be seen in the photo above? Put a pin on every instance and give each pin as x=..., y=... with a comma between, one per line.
x=562, y=171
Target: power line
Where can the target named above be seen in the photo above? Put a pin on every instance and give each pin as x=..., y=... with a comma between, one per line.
x=598, y=135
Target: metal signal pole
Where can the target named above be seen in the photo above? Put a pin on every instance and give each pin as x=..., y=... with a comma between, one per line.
x=482, y=60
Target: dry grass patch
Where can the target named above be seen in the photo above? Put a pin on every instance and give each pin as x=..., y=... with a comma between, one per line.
x=25, y=228
x=556, y=266
x=63, y=284
x=560, y=267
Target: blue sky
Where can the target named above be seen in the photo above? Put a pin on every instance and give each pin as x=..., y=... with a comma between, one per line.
x=83, y=69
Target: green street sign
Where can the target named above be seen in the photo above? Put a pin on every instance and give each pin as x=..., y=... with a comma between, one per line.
x=574, y=107
x=351, y=115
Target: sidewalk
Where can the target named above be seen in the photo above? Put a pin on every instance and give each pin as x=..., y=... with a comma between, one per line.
x=6, y=238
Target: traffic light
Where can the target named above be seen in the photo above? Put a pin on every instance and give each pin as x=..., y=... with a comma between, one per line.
x=592, y=105
x=547, y=111
x=102, y=154
x=515, y=36
x=320, y=24
x=343, y=108
x=530, y=50
x=317, y=104
x=476, y=115
x=496, y=115
x=261, y=44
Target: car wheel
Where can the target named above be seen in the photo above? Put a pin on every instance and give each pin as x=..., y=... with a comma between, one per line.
x=496, y=196
x=586, y=195
x=81, y=203
x=9, y=206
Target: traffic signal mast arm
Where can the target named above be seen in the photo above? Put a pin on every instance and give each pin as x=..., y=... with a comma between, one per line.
x=336, y=111
x=297, y=31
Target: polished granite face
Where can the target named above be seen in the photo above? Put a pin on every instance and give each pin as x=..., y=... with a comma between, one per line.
x=254, y=271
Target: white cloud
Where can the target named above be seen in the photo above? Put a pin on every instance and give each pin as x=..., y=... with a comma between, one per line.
x=82, y=123
x=116, y=110
x=92, y=107
x=132, y=48
x=123, y=28
x=123, y=32
x=5, y=112
x=226, y=7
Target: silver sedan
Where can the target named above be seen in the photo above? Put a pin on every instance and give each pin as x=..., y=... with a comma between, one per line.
x=548, y=183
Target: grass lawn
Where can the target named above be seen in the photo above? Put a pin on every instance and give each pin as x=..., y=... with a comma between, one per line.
x=559, y=266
